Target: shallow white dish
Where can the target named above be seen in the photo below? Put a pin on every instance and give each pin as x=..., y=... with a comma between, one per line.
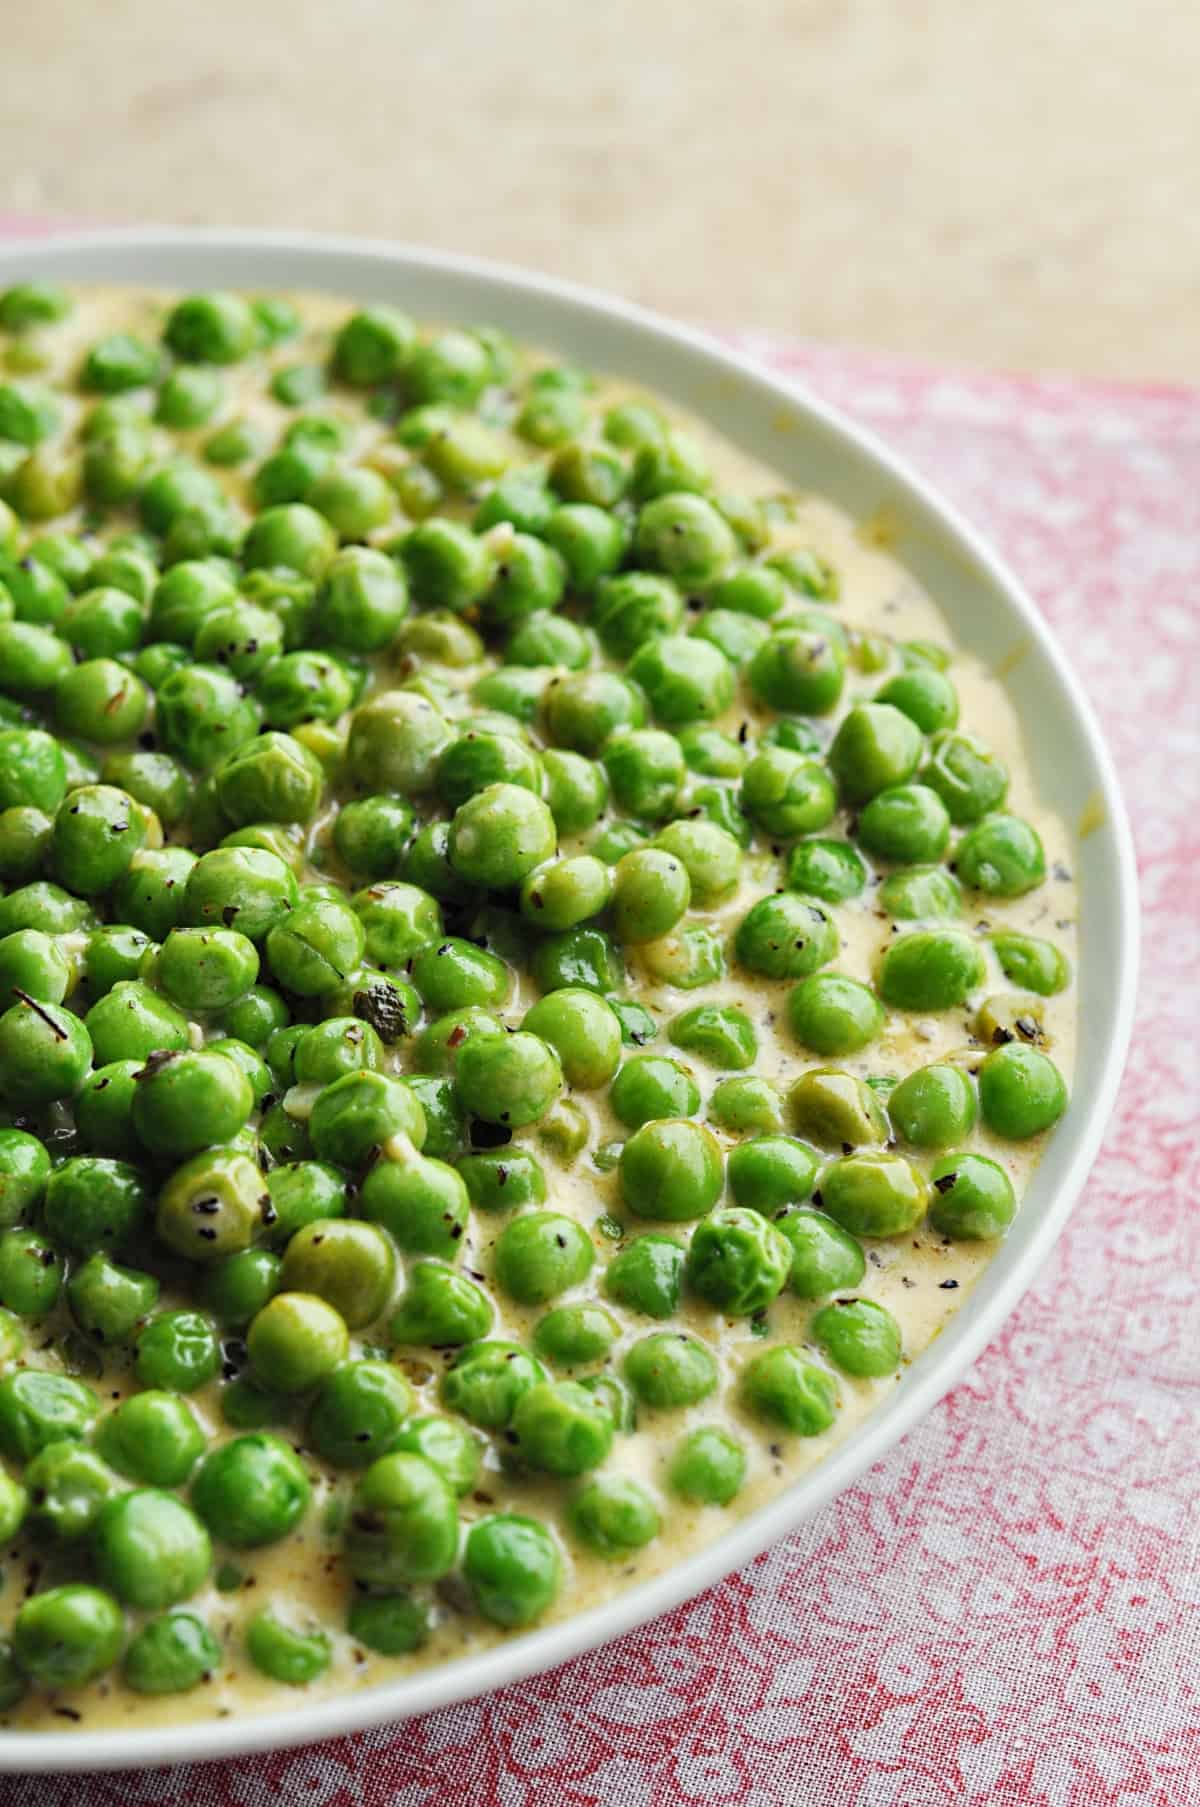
x=811, y=447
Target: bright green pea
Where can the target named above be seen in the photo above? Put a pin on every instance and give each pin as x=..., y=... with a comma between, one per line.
x=669, y=1369
x=799, y=670
x=933, y=1107
x=582, y=1030
x=708, y=1467
x=786, y=936
x=785, y=794
x=646, y=770
x=966, y=775
x=403, y=1526
x=216, y=1204
x=973, y=1198
x=651, y=1087
x=500, y=835
x=150, y=1549
x=350, y=1265
x=771, y=1171
x=153, y=1437
x=874, y=1193
x=512, y=1566
x=108, y=1301
x=737, y=1262
x=170, y=1655
x=66, y=1636
x=421, y=1202
x=788, y=1389
x=1021, y=1092
x=30, y=1273
x=24, y=1171
x=825, y=1258
x=876, y=746
x=720, y=1034
x=177, y=1351
x=834, y=1015
x=502, y=1179
x=671, y=1169
x=921, y=894
x=905, y=823
x=930, y=970
x=684, y=680
x=251, y=1491
x=613, y=1515
x=357, y=1413
x=1001, y=856
x=651, y=892
x=1033, y=964
x=295, y=1341
x=286, y=1652
x=560, y=1428
x=540, y=1255
x=572, y=1335
x=925, y=695
x=859, y=1337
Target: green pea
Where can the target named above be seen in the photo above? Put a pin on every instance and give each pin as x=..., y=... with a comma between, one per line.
x=92, y=1203
x=24, y=1171
x=214, y=1205
x=455, y=974
x=1033, y=964
x=925, y=695
x=30, y=1273
x=669, y=1369
x=153, y=1437
x=512, y=1567
x=33, y=773
x=649, y=1087
x=440, y=1308
x=131, y=1022
x=922, y=893
x=27, y=305
x=286, y=1652
x=672, y=1170
x=933, y=1107
x=720, y=1034
x=708, y=1467
x=746, y=1103
x=185, y=1101
x=966, y=775
x=215, y=328
x=67, y=1485
x=859, y=1337
x=108, y=1301
x=446, y=1445
x=835, y=1109
x=560, y=1428
x=737, y=1262
x=445, y=1122
x=786, y=1388
x=1021, y=1092
x=150, y=1549
x=572, y=1335
x=486, y=1380
x=930, y=970
x=583, y=1032
x=583, y=709
x=875, y=747
x=403, y=1526
x=646, y=770
x=540, y=1255
x=349, y=1265
x=709, y=751
x=357, y=1412
x=637, y=1025
x=373, y=345
x=234, y=1289
x=502, y=1179
x=905, y=823
x=1001, y=856
x=785, y=794
x=392, y=1624
x=786, y=936
x=500, y=835
x=421, y=1202
x=771, y=1171
x=799, y=670
x=295, y=1341
x=315, y=948
x=825, y=1258
x=177, y=1351
x=24, y=843
x=973, y=1198
x=170, y=1655
x=834, y=1015
x=251, y=1491
x=685, y=680
x=66, y=1636
x=651, y=892
x=873, y=1193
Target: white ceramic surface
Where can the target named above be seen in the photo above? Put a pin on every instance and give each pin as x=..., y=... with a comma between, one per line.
x=988, y=612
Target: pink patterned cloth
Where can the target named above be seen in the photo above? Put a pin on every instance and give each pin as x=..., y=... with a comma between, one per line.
x=1006, y=1611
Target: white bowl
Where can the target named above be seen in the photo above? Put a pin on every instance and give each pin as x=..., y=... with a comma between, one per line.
x=989, y=613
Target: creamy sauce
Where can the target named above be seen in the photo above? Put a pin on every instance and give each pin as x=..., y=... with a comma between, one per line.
x=920, y=1278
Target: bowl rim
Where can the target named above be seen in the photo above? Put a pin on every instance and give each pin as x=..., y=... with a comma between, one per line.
x=969, y=1332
